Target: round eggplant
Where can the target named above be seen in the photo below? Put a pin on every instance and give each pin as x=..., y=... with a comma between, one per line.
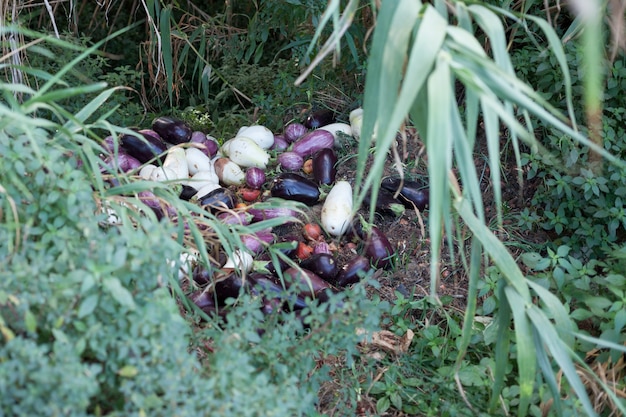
x=324, y=166
x=295, y=187
x=172, y=130
x=294, y=131
x=255, y=178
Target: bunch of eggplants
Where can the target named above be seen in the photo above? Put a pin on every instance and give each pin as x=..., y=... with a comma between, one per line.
x=313, y=278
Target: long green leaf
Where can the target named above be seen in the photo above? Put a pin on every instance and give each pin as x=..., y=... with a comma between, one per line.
x=496, y=250
x=526, y=352
x=502, y=347
x=422, y=56
x=561, y=354
x=564, y=325
x=439, y=150
x=385, y=71
x=548, y=373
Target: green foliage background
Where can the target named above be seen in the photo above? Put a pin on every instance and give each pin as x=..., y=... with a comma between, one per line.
x=88, y=322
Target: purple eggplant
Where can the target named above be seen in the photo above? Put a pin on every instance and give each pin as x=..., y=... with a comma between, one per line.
x=228, y=287
x=263, y=285
x=144, y=148
x=255, y=178
x=218, y=199
x=294, y=131
x=123, y=162
x=353, y=271
x=187, y=192
x=412, y=192
x=259, y=214
x=280, y=143
x=256, y=242
x=201, y=275
x=229, y=217
x=324, y=166
x=309, y=283
x=290, y=161
x=205, y=301
x=172, y=130
x=323, y=265
x=378, y=248
x=295, y=187
x=158, y=206
x=319, y=118
x=385, y=203
x=321, y=247
x=313, y=142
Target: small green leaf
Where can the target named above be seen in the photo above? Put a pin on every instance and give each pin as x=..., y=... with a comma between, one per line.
x=378, y=388
x=88, y=305
x=598, y=303
x=396, y=400
x=413, y=382
x=382, y=405
x=119, y=293
x=128, y=371
x=30, y=321
x=581, y=314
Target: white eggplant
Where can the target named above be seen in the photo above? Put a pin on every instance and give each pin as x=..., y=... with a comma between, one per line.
x=228, y=172
x=337, y=209
x=186, y=261
x=202, y=178
x=334, y=128
x=246, y=153
x=176, y=161
x=356, y=122
x=162, y=174
x=261, y=135
x=146, y=171
x=206, y=189
x=240, y=261
x=197, y=161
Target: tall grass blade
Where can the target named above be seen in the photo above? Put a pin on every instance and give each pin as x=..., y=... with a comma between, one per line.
x=166, y=49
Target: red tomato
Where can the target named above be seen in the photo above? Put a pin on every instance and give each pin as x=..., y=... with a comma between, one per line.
x=248, y=194
x=303, y=251
x=312, y=231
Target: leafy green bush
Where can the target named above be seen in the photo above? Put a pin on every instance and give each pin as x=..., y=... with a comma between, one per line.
x=91, y=307
x=581, y=207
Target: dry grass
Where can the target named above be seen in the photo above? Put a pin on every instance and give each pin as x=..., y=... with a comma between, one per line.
x=598, y=376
